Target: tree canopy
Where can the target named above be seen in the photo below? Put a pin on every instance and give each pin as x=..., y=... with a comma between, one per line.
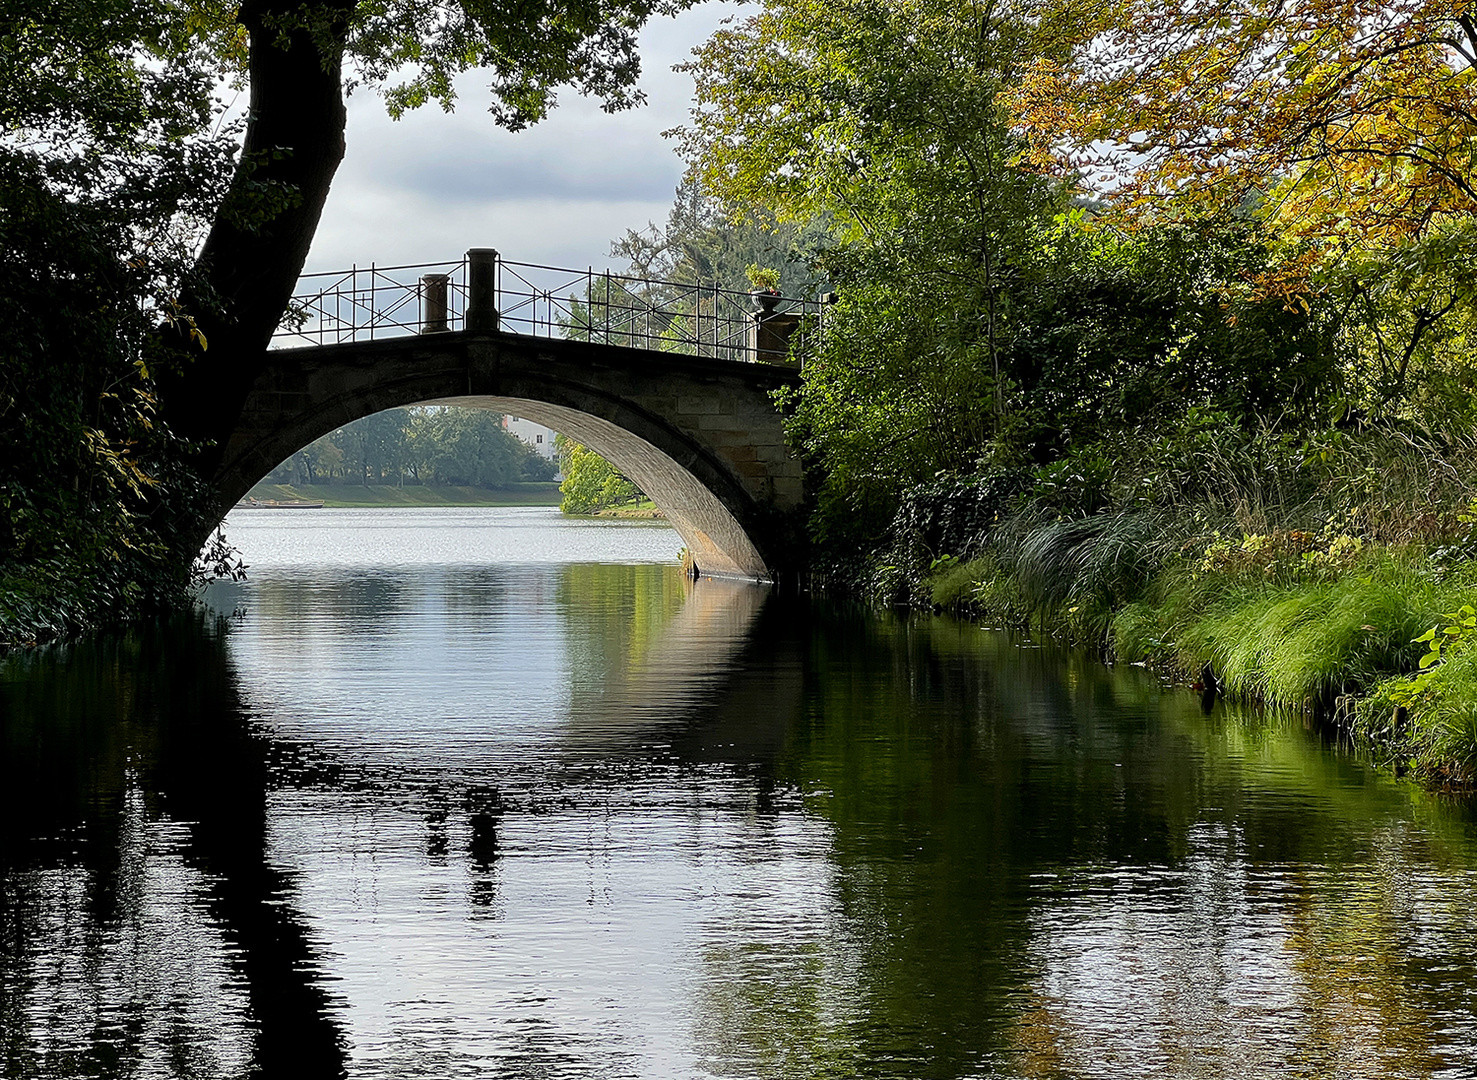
x=1349, y=122
x=591, y=483
x=1344, y=130
x=981, y=319
x=109, y=167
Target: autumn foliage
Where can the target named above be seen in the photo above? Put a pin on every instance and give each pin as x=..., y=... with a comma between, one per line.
x=1346, y=121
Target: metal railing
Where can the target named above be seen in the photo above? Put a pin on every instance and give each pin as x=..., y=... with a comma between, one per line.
x=485, y=291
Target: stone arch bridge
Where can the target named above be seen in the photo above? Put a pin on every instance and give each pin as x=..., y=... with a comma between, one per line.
x=672, y=383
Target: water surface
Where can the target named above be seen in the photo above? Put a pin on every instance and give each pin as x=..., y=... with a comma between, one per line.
x=495, y=793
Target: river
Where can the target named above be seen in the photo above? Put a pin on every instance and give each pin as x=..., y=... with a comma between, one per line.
x=490, y=792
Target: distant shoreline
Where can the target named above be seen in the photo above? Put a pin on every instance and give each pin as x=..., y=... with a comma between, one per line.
x=348, y=496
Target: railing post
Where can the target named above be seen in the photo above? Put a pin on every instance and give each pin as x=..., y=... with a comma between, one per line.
x=769, y=335
x=433, y=303
x=482, y=313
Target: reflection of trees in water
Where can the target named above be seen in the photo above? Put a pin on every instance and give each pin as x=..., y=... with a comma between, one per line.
x=1306, y=925
x=905, y=961
x=143, y=927
x=1356, y=947
x=365, y=597
x=611, y=616
x=1043, y=867
x=531, y=1048
x=933, y=854
x=1219, y=967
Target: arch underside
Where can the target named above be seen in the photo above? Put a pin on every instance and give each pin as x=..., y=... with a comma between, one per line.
x=716, y=540
x=700, y=437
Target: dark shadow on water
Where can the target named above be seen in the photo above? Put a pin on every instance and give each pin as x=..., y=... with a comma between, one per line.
x=152, y=716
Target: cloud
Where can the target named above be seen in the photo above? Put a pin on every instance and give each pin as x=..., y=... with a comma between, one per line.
x=429, y=186
x=412, y=227
x=579, y=153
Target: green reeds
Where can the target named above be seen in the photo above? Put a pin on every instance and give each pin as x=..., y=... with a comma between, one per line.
x=1310, y=643
x=980, y=587
x=1299, y=569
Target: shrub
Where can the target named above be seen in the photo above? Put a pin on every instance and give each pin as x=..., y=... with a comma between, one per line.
x=1428, y=720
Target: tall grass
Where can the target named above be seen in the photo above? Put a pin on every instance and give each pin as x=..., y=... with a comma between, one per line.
x=1109, y=556
x=1428, y=720
x=981, y=587
x=1311, y=643
x=1298, y=571
x=1436, y=735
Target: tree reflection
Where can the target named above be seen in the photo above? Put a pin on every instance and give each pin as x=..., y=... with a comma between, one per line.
x=1044, y=867
x=144, y=929
x=761, y=835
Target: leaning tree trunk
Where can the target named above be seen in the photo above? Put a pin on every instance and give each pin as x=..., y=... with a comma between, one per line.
x=260, y=239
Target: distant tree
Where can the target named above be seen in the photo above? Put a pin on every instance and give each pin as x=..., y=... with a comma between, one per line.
x=385, y=441
x=591, y=483
x=321, y=460
x=706, y=241
x=470, y=447
x=537, y=468
x=431, y=445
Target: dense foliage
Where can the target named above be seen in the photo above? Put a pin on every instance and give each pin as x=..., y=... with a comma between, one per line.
x=1153, y=319
x=108, y=167
x=431, y=445
x=1348, y=127
x=704, y=242
x=591, y=483
x=982, y=320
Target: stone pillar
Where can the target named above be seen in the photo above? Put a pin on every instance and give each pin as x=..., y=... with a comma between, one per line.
x=433, y=303
x=482, y=311
x=769, y=336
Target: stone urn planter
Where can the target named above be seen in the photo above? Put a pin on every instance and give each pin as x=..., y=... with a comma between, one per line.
x=765, y=300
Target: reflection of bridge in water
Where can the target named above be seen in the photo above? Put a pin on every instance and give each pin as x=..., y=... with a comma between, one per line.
x=673, y=383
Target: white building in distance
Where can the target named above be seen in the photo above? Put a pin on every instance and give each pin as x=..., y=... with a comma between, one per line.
x=535, y=435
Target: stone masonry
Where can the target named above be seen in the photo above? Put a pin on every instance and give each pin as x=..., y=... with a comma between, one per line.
x=702, y=437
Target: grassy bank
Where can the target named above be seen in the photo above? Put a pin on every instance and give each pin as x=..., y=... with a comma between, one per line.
x=1334, y=576
x=344, y=495
x=643, y=510
x=1371, y=638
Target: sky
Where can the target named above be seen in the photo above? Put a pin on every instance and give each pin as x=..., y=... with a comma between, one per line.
x=431, y=185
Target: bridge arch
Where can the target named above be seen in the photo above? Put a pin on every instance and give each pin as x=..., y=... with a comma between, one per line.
x=702, y=437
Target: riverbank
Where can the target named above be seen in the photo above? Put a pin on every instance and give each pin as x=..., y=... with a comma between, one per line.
x=1371, y=639
x=644, y=510
x=387, y=495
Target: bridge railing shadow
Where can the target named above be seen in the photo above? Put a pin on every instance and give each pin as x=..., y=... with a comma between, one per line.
x=692, y=318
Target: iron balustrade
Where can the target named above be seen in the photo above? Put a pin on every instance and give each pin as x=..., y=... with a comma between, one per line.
x=692, y=318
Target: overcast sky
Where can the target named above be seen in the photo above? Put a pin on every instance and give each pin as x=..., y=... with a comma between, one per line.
x=429, y=186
